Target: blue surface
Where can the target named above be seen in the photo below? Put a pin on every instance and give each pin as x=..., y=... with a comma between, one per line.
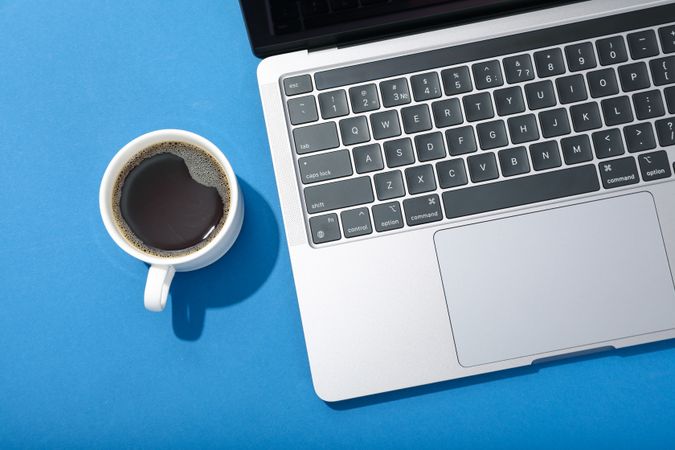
x=82, y=363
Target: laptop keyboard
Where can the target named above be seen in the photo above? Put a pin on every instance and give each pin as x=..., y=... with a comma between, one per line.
x=376, y=154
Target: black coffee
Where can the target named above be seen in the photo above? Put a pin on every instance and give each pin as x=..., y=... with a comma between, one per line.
x=171, y=199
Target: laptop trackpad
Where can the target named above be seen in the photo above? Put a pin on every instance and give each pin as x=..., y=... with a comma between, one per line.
x=557, y=279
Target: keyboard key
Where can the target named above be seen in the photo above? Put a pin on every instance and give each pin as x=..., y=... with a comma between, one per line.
x=667, y=38
x=619, y=172
x=520, y=191
x=643, y=44
x=456, y=80
x=302, y=110
x=670, y=99
x=549, y=62
x=523, y=129
x=389, y=185
x=540, y=94
x=395, y=92
x=333, y=104
x=648, y=105
x=416, y=118
x=356, y=222
x=301, y=84
x=617, y=110
x=608, y=143
x=513, y=161
x=451, y=173
x=580, y=56
x=518, y=69
x=571, y=89
x=368, y=158
x=509, y=100
x=421, y=210
x=460, y=140
x=399, y=152
x=482, y=167
x=487, y=74
x=315, y=137
x=634, y=77
x=663, y=70
x=326, y=166
x=611, y=50
x=385, y=124
x=364, y=98
x=554, y=122
x=324, y=228
x=425, y=86
x=354, y=130
x=585, y=116
x=576, y=149
x=665, y=130
x=639, y=137
x=602, y=83
x=478, y=107
x=338, y=194
x=429, y=146
x=654, y=165
x=492, y=135
x=447, y=113
x=545, y=155
x=387, y=216
x=420, y=179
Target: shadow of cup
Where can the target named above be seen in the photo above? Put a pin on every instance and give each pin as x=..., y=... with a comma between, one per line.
x=234, y=277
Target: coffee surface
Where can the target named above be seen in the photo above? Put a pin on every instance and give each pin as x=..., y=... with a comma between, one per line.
x=171, y=199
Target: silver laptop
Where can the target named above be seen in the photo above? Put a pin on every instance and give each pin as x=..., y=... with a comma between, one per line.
x=470, y=186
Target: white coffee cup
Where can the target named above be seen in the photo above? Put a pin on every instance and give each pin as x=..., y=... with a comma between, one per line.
x=162, y=269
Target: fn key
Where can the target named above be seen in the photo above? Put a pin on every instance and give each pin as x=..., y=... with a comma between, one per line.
x=324, y=228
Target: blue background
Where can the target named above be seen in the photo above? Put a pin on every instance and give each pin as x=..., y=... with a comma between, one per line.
x=81, y=361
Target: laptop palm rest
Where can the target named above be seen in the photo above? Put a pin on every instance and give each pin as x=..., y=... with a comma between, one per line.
x=556, y=280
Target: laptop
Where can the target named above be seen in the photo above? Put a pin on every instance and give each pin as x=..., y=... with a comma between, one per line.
x=470, y=186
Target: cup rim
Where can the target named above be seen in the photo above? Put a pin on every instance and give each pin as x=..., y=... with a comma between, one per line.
x=131, y=149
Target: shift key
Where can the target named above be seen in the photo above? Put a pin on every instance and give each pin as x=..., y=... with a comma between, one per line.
x=325, y=167
x=339, y=194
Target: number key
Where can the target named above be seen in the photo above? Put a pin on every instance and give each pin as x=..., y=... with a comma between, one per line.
x=580, y=56
x=364, y=98
x=456, y=81
x=611, y=50
x=425, y=86
x=549, y=62
x=395, y=92
x=333, y=104
x=487, y=74
x=518, y=69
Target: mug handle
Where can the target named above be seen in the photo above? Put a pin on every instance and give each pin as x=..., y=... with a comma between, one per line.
x=157, y=287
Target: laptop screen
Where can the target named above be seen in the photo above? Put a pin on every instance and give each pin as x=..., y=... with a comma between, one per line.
x=277, y=26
